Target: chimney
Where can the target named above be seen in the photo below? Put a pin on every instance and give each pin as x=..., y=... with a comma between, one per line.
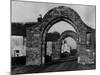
x=40, y=18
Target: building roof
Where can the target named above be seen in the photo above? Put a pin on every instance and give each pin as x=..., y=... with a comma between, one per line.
x=52, y=36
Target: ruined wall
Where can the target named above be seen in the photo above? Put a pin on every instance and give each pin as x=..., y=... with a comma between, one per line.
x=85, y=51
x=33, y=47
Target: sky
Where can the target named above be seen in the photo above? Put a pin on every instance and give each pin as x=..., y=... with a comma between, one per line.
x=71, y=42
x=61, y=27
x=25, y=11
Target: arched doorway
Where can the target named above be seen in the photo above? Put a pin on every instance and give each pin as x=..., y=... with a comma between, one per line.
x=52, y=46
x=58, y=14
x=64, y=42
x=44, y=34
x=55, y=15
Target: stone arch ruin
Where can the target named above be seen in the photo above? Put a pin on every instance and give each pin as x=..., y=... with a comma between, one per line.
x=36, y=35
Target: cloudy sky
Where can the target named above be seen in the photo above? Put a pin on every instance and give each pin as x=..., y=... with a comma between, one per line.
x=24, y=11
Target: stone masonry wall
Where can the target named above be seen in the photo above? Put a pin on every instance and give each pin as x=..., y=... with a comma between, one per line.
x=33, y=48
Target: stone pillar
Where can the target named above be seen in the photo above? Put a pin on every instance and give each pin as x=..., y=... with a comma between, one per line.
x=33, y=52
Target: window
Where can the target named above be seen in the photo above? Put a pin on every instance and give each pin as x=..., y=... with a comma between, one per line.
x=88, y=41
x=17, y=53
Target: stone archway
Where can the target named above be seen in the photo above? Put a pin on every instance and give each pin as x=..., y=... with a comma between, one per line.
x=66, y=14
x=71, y=34
x=36, y=36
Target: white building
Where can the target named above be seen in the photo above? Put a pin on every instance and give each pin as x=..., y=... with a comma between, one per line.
x=18, y=46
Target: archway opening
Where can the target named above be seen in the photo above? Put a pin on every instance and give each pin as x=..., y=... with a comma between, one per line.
x=52, y=39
